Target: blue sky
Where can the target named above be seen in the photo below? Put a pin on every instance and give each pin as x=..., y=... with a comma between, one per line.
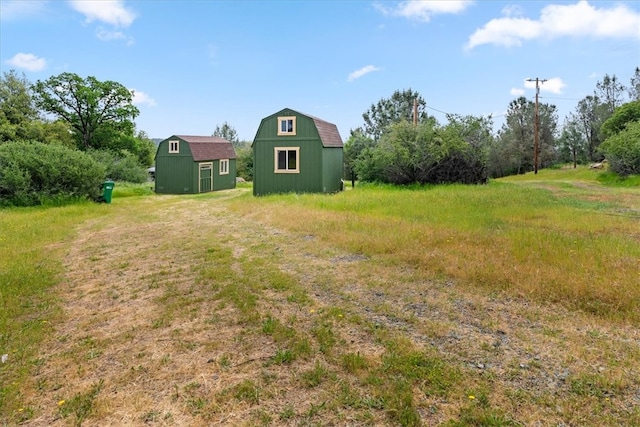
x=195, y=64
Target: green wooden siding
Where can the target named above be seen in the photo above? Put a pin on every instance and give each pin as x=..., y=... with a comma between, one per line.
x=320, y=168
x=332, y=160
x=178, y=173
x=175, y=172
x=227, y=181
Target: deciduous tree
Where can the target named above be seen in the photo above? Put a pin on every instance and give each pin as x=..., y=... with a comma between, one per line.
x=548, y=134
x=387, y=111
x=244, y=161
x=476, y=131
x=423, y=154
x=611, y=93
x=353, y=149
x=516, y=137
x=91, y=107
x=626, y=113
x=571, y=143
x=227, y=132
x=17, y=108
x=590, y=114
x=634, y=87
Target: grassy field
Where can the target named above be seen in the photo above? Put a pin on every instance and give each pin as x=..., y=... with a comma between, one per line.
x=514, y=303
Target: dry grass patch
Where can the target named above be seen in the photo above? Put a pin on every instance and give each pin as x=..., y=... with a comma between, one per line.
x=214, y=310
x=505, y=238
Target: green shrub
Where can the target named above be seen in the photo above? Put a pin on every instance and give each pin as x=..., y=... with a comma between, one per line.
x=424, y=154
x=121, y=166
x=623, y=115
x=32, y=173
x=622, y=150
x=244, y=162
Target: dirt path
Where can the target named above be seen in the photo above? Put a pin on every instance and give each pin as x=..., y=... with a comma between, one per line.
x=144, y=342
x=118, y=271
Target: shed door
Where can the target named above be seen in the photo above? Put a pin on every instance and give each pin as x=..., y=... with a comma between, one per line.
x=206, y=177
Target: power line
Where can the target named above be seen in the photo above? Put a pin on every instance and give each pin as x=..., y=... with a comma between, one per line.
x=439, y=111
x=455, y=114
x=536, y=125
x=564, y=99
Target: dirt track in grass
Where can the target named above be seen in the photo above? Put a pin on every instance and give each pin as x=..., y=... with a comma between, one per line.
x=151, y=336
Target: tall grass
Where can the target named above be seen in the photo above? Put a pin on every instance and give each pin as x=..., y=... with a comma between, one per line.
x=541, y=241
x=581, y=173
x=615, y=180
x=128, y=189
x=30, y=265
x=503, y=237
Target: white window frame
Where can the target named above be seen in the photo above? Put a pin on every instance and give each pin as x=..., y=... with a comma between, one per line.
x=174, y=147
x=224, y=167
x=287, y=132
x=276, y=150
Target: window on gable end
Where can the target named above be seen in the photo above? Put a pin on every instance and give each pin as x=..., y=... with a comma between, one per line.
x=287, y=125
x=174, y=146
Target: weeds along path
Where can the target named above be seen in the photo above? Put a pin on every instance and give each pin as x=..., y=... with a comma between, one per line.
x=179, y=311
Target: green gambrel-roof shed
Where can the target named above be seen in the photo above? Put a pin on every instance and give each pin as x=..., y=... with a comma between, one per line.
x=295, y=152
x=188, y=164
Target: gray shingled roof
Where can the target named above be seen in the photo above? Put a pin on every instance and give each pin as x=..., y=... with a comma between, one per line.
x=208, y=147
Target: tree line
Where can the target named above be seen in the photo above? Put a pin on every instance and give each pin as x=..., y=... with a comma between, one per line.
x=90, y=123
x=400, y=143
x=244, y=153
x=79, y=113
x=69, y=127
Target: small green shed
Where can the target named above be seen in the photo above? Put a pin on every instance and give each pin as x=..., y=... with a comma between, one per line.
x=295, y=152
x=188, y=164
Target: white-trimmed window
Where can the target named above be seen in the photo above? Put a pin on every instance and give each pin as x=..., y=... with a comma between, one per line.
x=287, y=159
x=224, y=167
x=287, y=125
x=174, y=146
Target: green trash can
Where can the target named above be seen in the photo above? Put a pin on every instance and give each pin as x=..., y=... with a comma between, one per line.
x=107, y=189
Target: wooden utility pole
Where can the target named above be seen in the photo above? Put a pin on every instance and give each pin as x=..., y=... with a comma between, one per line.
x=415, y=111
x=536, y=126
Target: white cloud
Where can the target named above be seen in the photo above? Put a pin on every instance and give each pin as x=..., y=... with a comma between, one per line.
x=141, y=98
x=573, y=20
x=553, y=85
x=361, y=72
x=28, y=61
x=16, y=9
x=106, y=35
x=111, y=12
x=422, y=10
x=512, y=10
x=517, y=92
